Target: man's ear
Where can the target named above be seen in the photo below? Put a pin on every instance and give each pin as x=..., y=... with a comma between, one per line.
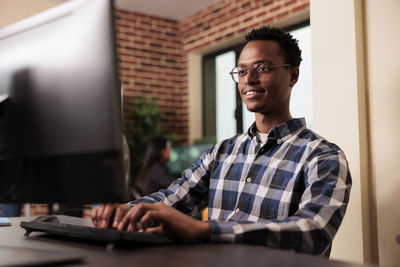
x=294, y=76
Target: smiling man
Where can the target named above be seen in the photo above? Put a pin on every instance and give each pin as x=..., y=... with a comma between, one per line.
x=279, y=184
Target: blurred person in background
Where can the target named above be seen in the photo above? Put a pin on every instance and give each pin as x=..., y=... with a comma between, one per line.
x=154, y=174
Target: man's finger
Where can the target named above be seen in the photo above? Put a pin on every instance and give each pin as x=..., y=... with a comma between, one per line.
x=132, y=217
x=123, y=223
x=119, y=214
x=155, y=230
x=106, y=215
x=128, y=223
x=149, y=216
x=99, y=214
x=93, y=216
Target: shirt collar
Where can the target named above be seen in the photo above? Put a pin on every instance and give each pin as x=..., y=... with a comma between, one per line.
x=282, y=131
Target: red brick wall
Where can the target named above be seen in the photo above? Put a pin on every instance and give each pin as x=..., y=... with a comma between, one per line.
x=153, y=50
x=152, y=65
x=227, y=19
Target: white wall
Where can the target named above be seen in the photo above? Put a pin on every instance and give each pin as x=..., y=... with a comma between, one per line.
x=382, y=24
x=336, y=105
x=355, y=81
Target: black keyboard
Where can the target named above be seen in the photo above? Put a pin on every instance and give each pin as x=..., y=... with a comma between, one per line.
x=75, y=227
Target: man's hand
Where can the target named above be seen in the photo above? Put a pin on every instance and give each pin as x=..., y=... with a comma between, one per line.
x=102, y=215
x=173, y=223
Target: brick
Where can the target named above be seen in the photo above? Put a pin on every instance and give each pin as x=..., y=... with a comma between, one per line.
x=282, y=15
x=267, y=3
x=245, y=5
x=275, y=8
x=301, y=7
x=290, y=3
x=247, y=19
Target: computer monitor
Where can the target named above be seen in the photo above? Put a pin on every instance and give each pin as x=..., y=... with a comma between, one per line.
x=60, y=107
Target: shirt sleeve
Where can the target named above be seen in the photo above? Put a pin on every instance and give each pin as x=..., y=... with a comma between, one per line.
x=188, y=193
x=313, y=226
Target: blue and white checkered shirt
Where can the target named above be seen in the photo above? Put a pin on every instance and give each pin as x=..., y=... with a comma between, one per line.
x=292, y=192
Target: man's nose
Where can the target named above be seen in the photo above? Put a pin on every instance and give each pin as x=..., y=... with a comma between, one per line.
x=251, y=77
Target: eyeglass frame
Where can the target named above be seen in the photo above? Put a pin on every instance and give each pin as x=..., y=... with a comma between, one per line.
x=254, y=66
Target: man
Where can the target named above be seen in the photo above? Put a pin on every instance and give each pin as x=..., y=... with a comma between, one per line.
x=279, y=184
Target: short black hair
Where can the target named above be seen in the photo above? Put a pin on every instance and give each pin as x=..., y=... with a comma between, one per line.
x=289, y=47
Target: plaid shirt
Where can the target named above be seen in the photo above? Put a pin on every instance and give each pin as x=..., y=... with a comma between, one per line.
x=292, y=192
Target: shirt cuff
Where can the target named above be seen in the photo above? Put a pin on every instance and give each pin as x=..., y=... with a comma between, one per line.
x=225, y=231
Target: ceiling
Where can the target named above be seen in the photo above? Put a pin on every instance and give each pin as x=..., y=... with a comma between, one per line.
x=171, y=9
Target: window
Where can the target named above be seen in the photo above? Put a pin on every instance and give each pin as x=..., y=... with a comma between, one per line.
x=224, y=114
x=220, y=97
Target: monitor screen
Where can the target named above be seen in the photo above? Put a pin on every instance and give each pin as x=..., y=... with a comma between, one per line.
x=60, y=107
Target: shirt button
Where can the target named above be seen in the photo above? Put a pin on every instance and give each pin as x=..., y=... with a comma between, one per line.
x=237, y=210
x=279, y=141
x=248, y=180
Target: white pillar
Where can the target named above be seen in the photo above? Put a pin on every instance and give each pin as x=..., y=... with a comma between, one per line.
x=339, y=109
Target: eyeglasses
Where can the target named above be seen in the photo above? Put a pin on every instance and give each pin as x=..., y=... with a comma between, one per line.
x=238, y=74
